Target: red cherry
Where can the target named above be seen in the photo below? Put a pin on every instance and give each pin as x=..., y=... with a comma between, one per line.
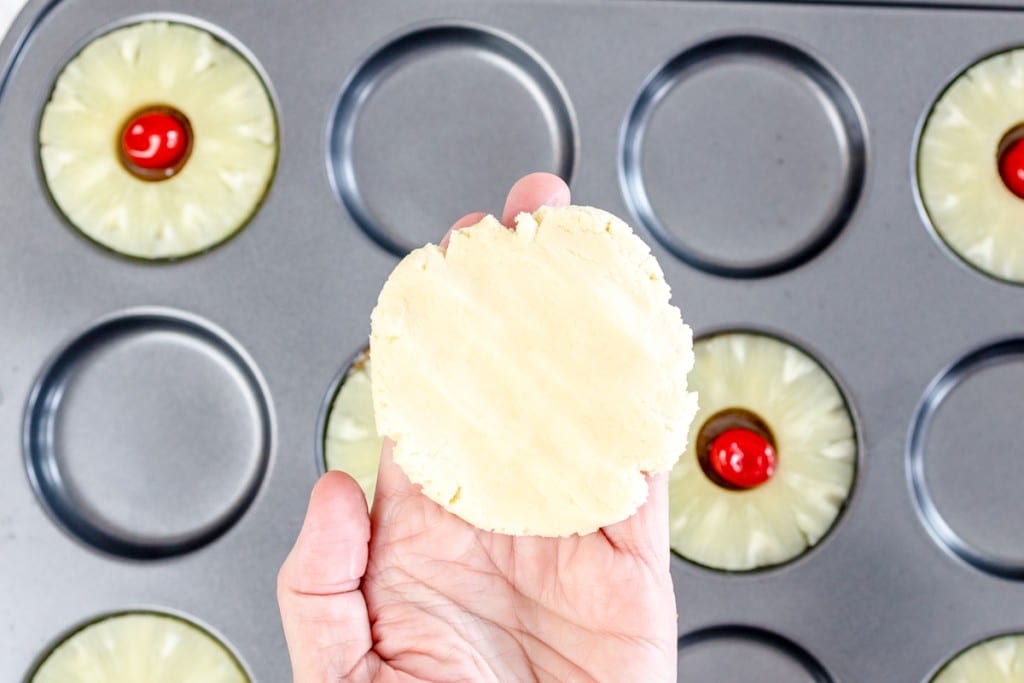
x=155, y=140
x=1011, y=168
x=742, y=458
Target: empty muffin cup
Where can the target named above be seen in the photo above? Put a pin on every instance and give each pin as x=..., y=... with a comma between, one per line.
x=149, y=434
x=964, y=461
x=744, y=156
x=478, y=103
x=738, y=654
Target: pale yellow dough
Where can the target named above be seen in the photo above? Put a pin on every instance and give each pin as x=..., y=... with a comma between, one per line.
x=234, y=142
x=969, y=205
x=135, y=647
x=531, y=377
x=351, y=443
x=999, y=660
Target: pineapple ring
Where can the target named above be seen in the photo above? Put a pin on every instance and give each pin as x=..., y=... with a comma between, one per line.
x=351, y=443
x=998, y=660
x=156, y=64
x=959, y=154
x=140, y=646
x=739, y=530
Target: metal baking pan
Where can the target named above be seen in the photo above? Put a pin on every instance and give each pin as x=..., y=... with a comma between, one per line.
x=158, y=421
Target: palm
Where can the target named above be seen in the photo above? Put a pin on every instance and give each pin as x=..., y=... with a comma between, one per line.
x=413, y=593
x=449, y=602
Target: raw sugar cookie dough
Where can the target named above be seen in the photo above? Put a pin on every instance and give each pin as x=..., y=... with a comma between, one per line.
x=140, y=646
x=351, y=443
x=970, y=166
x=770, y=459
x=530, y=377
x=159, y=141
x=999, y=660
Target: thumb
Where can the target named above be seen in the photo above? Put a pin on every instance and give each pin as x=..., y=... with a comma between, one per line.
x=645, y=534
x=322, y=609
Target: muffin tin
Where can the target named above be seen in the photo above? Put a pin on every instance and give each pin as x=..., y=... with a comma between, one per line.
x=158, y=422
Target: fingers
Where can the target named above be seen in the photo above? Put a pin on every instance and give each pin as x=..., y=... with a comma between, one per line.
x=322, y=609
x=645, y=534
x=464, y=222
x=391, y=480
x=527, y=195
x=532, y=192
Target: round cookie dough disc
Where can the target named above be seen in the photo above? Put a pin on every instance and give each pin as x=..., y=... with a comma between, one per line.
x=531, y=377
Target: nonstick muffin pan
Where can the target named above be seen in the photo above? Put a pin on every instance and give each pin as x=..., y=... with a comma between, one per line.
x=159, y=421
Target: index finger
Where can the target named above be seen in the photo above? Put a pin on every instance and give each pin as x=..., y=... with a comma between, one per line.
x=532, y=192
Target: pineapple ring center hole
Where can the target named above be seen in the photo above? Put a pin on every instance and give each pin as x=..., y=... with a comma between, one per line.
x=726, y=421
x=155, y=142
x=1010, y=159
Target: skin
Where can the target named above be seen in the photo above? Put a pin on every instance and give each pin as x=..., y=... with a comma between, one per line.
x=413, y=593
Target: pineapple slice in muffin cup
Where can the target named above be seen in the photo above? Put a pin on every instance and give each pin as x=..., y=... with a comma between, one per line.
x=997, y=660
x=970, y=166
x=140, y=646
x=351, y=443
x=770, y=459
x=159, y=140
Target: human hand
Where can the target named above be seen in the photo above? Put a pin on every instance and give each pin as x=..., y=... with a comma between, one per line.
x=410, y=592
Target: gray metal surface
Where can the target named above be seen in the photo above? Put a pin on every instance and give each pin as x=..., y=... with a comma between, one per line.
x=443, y=125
